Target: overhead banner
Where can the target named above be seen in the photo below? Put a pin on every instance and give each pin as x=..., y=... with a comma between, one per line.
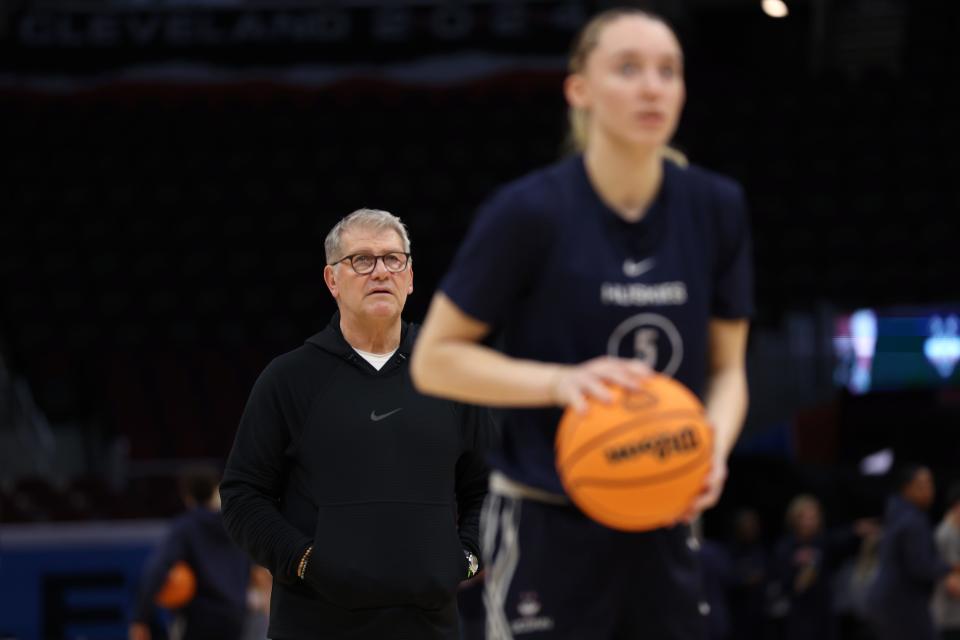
x=75, y=35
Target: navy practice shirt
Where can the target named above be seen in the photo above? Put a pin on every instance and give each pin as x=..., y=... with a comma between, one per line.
x=560, y=277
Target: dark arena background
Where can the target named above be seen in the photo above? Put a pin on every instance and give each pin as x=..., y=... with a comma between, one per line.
x=172, y=167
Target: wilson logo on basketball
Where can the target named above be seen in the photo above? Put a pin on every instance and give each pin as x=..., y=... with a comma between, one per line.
x=663, y=445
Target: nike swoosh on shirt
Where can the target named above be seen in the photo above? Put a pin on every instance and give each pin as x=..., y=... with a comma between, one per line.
x=633, y=269
x=376, y=418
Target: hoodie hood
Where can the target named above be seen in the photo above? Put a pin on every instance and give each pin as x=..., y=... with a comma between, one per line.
x=332, y=341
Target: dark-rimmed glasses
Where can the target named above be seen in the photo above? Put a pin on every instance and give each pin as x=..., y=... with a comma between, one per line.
x=365, y=263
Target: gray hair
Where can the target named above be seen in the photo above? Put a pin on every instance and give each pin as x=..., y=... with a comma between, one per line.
x=373, y=219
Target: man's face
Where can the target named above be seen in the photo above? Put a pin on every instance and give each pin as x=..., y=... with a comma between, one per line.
x=921, y=489
x=379, y=294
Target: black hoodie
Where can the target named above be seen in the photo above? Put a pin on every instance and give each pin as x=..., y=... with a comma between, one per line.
x=386, y=483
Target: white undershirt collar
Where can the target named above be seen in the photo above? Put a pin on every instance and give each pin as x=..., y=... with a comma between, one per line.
x=375, y=359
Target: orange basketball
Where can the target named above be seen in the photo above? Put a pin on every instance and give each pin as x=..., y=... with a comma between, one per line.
x=639, y=462
x=179, y=588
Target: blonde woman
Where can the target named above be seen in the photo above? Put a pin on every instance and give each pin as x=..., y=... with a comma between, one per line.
x=611, y=263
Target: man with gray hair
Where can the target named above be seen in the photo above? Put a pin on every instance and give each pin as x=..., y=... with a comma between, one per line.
x=358, y=493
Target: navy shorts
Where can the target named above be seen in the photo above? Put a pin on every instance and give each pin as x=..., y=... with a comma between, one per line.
x=553, y=573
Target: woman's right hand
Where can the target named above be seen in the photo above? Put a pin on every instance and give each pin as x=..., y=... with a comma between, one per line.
x=573, y=385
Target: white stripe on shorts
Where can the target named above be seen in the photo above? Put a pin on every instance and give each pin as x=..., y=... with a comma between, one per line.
x=501, y=515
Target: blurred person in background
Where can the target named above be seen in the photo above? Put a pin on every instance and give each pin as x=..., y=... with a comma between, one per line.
x=359, y=494
x=898, y=601
x=804, y=561
x=222, y=571
x=852, y=583
x=946, y=608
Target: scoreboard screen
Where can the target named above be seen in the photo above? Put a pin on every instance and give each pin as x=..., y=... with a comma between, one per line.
x=897, y=348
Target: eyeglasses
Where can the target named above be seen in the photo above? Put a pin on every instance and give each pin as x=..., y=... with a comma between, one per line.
x=365, y=263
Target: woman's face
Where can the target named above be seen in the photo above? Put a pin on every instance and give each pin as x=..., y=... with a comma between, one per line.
x=632, y=84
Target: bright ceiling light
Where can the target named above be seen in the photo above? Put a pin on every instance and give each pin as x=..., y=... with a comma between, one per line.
x=775, y=8
x=877, y=464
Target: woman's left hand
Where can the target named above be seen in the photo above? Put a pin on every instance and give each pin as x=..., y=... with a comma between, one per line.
x=712, y=488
